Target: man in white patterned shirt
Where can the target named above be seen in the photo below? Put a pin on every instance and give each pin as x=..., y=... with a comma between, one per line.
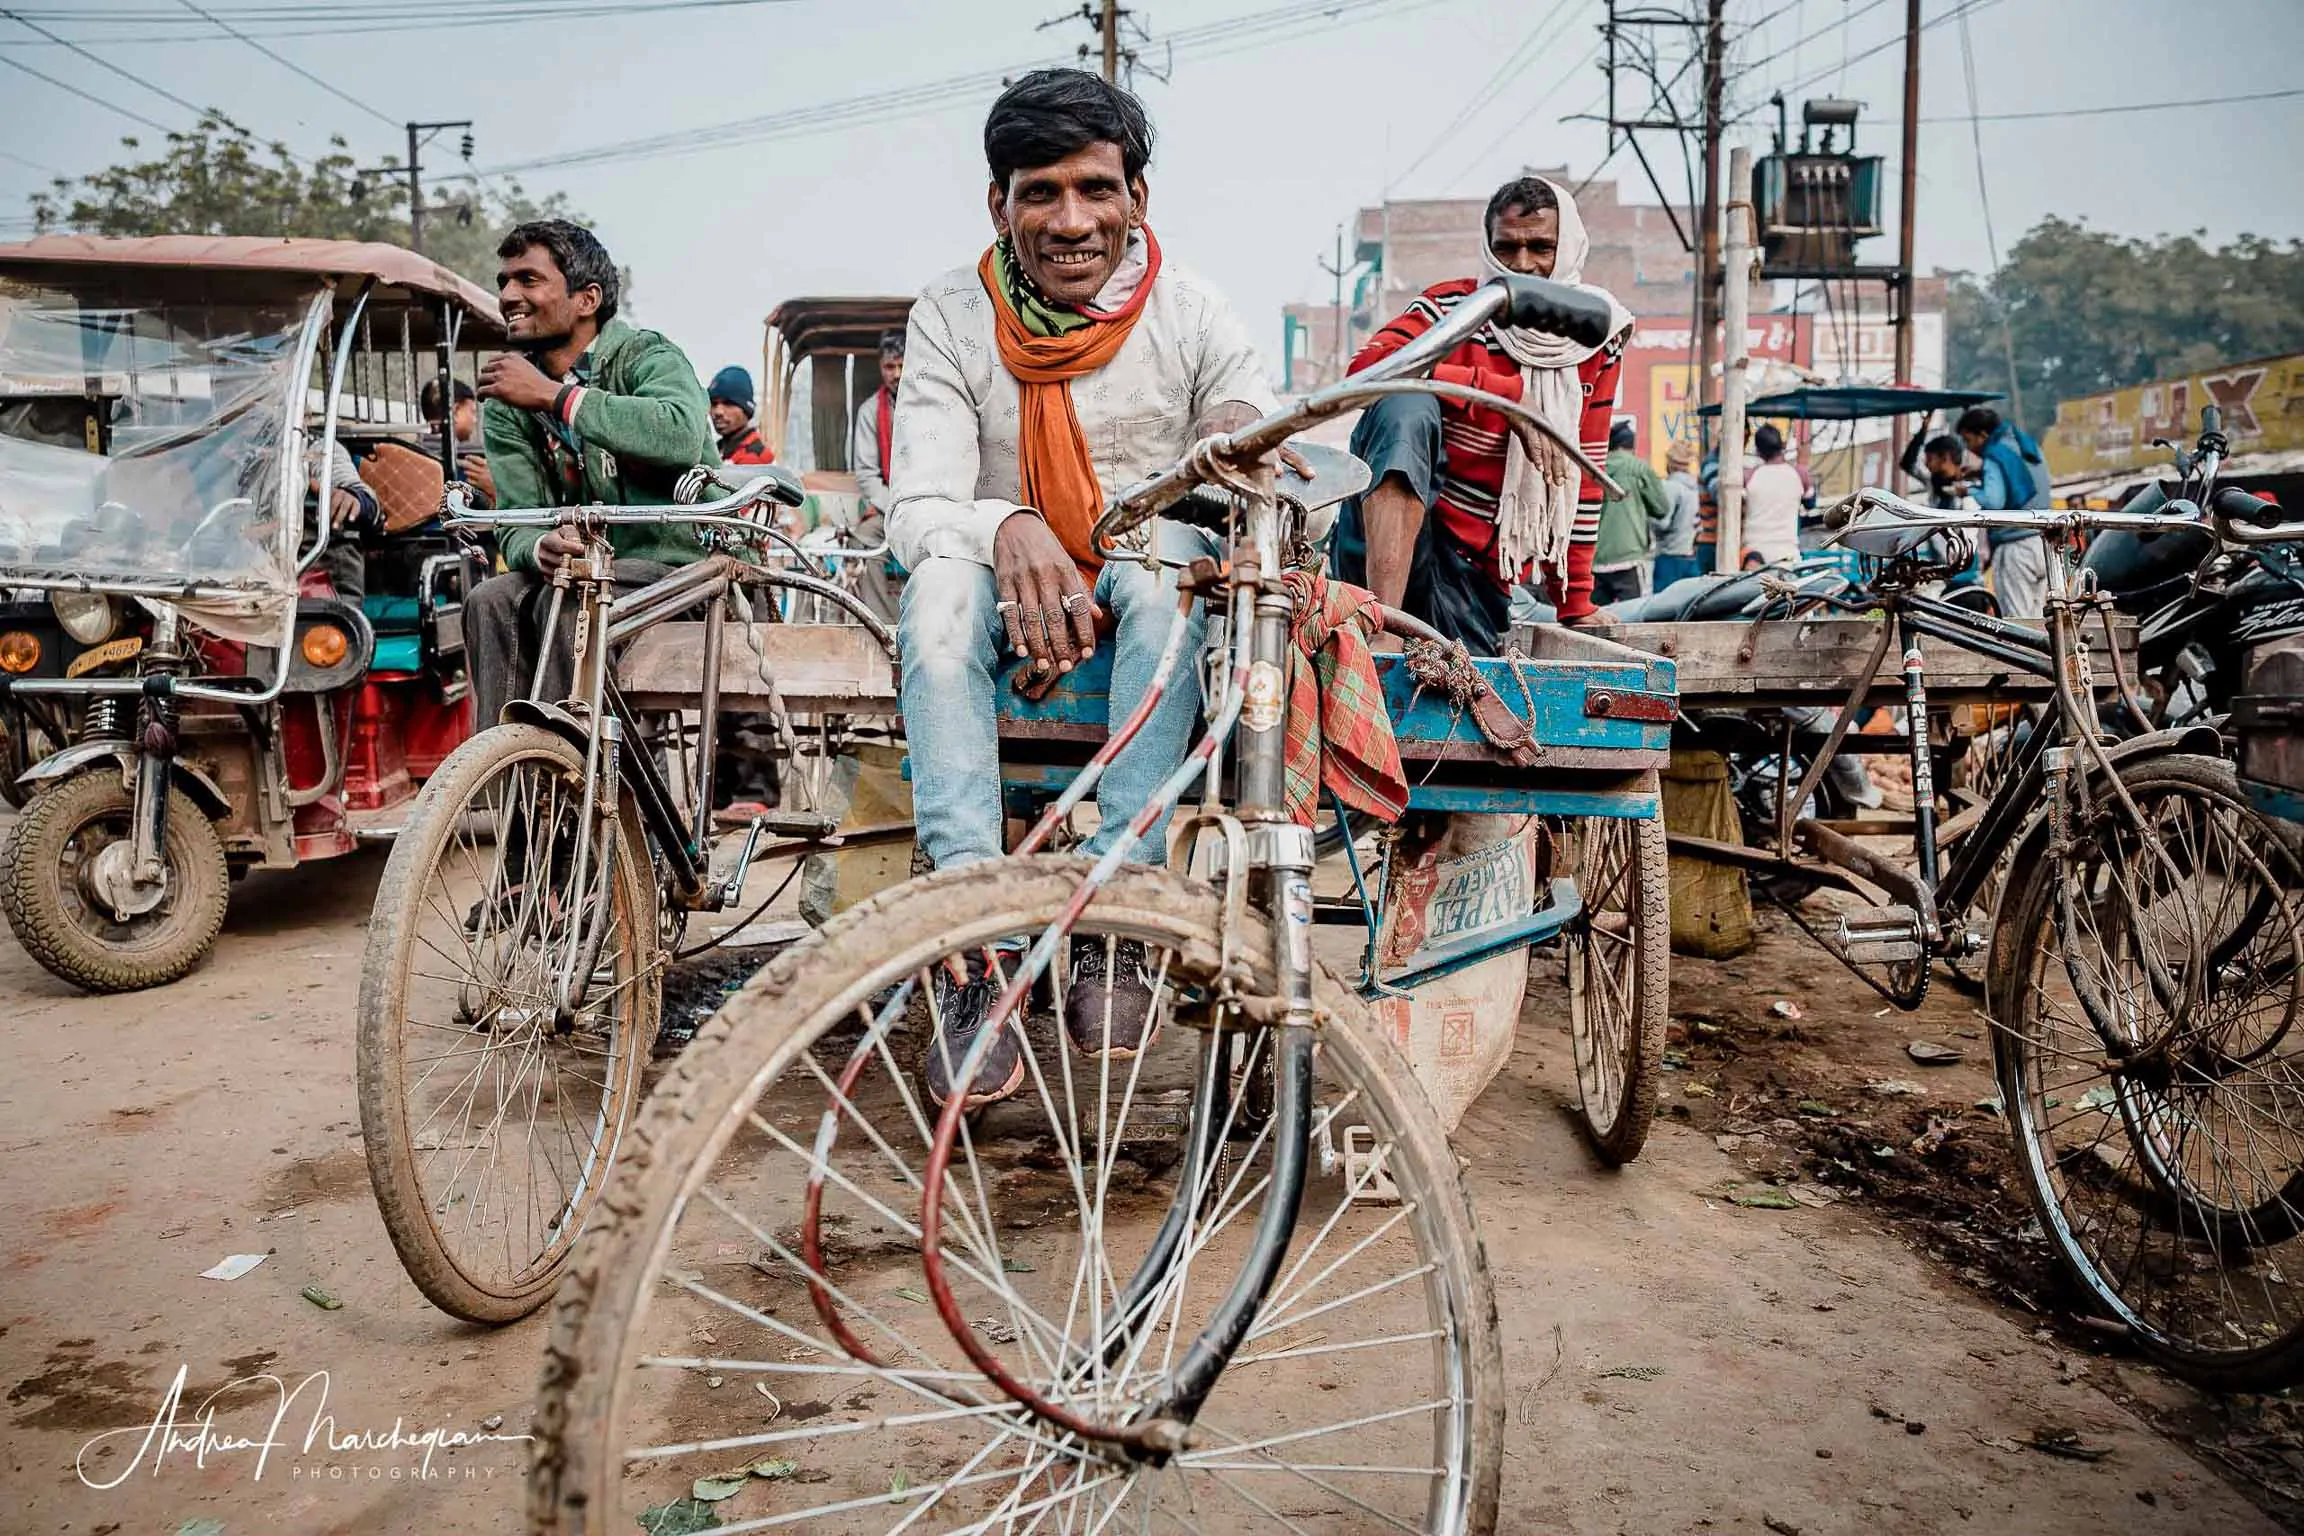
x=1067, y=363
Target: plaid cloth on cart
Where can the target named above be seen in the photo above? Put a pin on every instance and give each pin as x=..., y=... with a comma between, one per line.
x=1339, y=731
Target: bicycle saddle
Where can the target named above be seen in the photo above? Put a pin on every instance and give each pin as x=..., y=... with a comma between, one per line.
x=1885, y=533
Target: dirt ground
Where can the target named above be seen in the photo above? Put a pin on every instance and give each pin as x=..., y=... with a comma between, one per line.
x=1855, y=1351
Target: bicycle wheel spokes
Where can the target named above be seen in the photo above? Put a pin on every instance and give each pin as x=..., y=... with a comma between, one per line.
x=817, y=1359
x=2159, y=1097
x=492, y=1113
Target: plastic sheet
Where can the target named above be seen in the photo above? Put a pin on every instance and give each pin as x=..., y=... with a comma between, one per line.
x=148, y=447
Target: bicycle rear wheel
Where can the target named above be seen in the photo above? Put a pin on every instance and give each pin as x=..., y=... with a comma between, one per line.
x=712, y=1330
x=2150, y=1047
x=490, y=1114
x=1619, y=993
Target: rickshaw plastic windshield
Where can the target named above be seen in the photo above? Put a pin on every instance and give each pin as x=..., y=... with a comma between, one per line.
x=150, y=445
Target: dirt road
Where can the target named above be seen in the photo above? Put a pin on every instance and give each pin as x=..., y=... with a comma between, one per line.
x=1678, y=1362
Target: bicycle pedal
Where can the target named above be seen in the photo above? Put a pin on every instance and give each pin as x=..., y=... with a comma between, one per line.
x=1364, y=1172
x=1870, y=935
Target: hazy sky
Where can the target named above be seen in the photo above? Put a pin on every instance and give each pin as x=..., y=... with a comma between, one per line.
x=1267, y=137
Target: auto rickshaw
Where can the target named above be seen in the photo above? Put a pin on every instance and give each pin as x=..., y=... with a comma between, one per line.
x=184, y=693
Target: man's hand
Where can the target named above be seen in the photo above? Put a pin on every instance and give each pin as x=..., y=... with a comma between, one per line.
x=561, y=544
x=474, y=468
x=1045, y=605
x=343, y=507
x=519, y=383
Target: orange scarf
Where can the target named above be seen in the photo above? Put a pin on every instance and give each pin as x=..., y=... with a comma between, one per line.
x=1058, y=476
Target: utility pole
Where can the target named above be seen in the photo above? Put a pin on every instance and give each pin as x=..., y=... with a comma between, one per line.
x=1904, y=235
x=1708, y=248
x=1337, y=309
x=1736, y=284
x=420, y=134
x=1109, y=25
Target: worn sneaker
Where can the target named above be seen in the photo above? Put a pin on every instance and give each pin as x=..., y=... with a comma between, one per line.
x=1108, y=1003
x=961, y=1007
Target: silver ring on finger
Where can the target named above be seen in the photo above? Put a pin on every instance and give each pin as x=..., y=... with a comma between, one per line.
x=1006, y=605
x=1072, y=600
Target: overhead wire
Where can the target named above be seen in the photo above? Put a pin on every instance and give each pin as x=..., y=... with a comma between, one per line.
x=932, y=95
x=1487, y=92
x=293, y=67
x=66, y=86
x=2120, y=108
x=1991, y=241
x=101, y=62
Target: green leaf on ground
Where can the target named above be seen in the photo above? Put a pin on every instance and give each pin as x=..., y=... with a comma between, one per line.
x=1763, y=1200
x=713, y=1489
x=681, y=1517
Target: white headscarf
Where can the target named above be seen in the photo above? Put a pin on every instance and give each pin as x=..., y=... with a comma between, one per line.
x=1537, y=509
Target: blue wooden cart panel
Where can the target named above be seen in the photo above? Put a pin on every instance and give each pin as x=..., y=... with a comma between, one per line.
x=1563, y=694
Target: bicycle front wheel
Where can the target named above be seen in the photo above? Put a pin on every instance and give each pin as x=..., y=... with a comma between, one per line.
x=750, y=1326
x=491, y=1110
x=2150, y=1046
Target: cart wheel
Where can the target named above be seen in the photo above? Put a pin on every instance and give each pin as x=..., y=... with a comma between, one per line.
x=1619, y=991
x=50, y=881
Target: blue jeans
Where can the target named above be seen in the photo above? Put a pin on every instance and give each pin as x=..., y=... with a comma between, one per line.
x=954, y=650
x=1672, y=568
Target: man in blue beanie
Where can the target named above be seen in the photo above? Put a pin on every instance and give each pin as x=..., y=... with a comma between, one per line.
x=733, y=405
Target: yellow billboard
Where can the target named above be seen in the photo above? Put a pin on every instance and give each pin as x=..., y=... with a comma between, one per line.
x=2262, y=401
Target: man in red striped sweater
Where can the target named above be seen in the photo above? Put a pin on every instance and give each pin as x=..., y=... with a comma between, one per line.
x=1464, y=507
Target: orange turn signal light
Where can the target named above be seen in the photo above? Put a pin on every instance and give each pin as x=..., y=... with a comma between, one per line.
x=324, y=645
x=19, y=652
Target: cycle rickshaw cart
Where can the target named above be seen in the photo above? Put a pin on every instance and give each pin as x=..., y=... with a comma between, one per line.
x=185, y=695
x=1225, y=1271
x=2136, y=924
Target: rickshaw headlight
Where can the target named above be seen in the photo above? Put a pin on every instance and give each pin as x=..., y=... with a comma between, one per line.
x=324, y=645
x=88, y=617
x=19, y=652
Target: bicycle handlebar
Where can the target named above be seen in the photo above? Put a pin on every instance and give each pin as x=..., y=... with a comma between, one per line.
x=1561, y=309
x=2240, y=518
x=2032, y=520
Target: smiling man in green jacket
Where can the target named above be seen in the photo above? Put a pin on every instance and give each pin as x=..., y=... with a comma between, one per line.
x=588, y=410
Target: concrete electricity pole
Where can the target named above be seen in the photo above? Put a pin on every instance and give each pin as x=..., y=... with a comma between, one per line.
x=1735, y=286
x=1337, y=308
x=419, y=134
x=1708, y=247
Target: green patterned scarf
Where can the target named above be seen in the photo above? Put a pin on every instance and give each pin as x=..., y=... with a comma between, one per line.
x=1040, y=316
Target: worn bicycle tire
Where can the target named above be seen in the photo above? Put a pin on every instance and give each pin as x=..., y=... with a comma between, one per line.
x=2028, y=921
x=575, y=1473
x=1617, y=1139
x=432, y=824
x=201, y=883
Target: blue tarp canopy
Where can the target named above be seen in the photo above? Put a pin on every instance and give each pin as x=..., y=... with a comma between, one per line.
x=1858, y=402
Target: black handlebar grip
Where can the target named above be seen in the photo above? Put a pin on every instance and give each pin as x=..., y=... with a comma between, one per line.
x=2211, y=420
x=1839, y=515
x=1557, y=309
x=2237, y=505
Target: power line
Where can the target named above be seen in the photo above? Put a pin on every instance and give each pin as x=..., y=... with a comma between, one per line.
x=30, y=165
x=1543, y=100
x=110, y=106
x=292, y=66
x=104, y=63
x=1488, y=91
x=1240, y=32
x=2118, y=108
x=318, y=21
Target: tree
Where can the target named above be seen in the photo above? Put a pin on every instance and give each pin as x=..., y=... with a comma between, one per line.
x=218, y=180
x=2088, y=311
